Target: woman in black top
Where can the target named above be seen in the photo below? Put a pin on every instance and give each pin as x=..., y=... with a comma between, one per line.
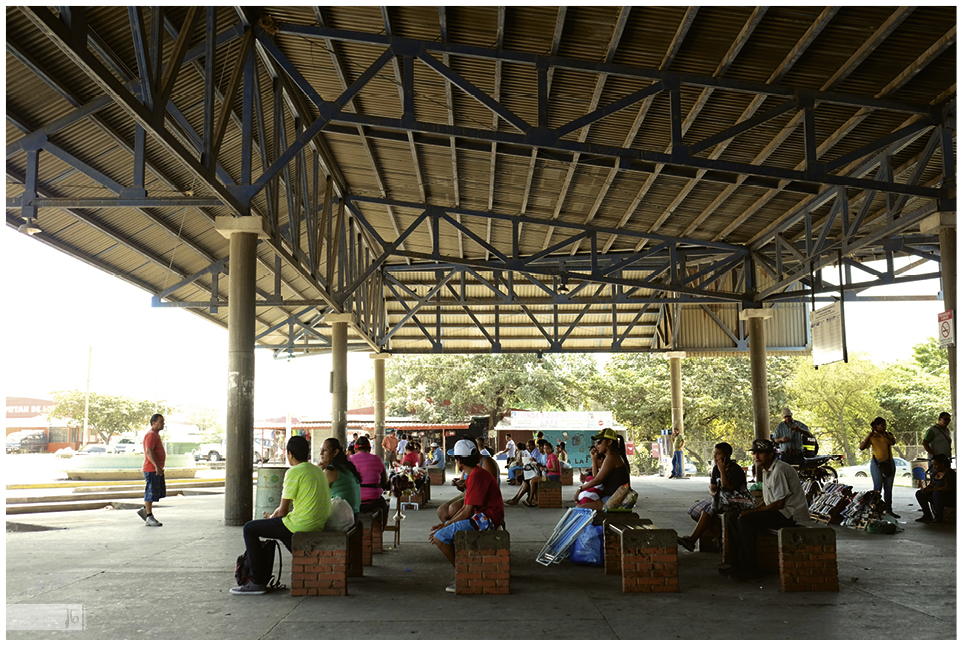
x=940, y=493
x=612, y=474
x=727, y=487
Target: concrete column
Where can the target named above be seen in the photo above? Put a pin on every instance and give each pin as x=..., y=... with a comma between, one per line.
x=944, y=223
x=379, y=402
x=243, y=233
x=339, y=375
x=675, y=387
x=757, y=363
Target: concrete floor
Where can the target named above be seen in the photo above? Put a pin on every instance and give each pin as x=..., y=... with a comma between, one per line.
x=109, y=563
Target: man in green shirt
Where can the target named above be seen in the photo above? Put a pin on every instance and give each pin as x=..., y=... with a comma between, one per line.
x=305, y=505
x=937, y=439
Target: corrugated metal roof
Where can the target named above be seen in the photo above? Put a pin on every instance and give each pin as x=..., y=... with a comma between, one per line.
x=508, y=194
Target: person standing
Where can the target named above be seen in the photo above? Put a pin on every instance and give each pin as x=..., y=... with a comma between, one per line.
x=785, y=505
x=305, y=506
x=509, y=449
x=390, y=446
x=788, y=436
x=154, y=459
x=937, y=439
x=678, y=456
x=882, y=467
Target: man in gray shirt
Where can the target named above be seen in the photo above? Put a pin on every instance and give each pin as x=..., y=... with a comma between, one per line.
x=788, y=436
x=785, y=505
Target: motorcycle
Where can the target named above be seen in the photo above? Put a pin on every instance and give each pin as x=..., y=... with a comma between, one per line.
x=817, y=469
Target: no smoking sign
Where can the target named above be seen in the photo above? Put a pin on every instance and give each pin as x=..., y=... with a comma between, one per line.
x=947, y=332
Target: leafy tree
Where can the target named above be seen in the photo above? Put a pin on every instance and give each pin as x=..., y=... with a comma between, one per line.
x=931, y=357
x=206, y=419
x=914, y=397
x=839, y=399
x=439, y=388
x=109, y=415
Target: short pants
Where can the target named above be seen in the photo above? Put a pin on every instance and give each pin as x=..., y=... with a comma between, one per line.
x=156, y=487
x=447, y=534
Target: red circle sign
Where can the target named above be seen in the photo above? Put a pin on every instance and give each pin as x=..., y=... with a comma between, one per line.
x=945, y=330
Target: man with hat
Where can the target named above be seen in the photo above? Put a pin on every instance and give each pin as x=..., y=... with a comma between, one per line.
x=937, y=439
x=789, y=437
x=482, y=509
x=784, y=505
x=437, y=456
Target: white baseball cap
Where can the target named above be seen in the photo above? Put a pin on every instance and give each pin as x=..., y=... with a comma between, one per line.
x=463, y=448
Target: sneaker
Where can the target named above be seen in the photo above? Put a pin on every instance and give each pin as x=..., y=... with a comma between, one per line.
x=727, y=570
x=687, y=543
x=249, y=589
x=450, y=589
x=143, y=513
x=151, y=521
x=924, y=519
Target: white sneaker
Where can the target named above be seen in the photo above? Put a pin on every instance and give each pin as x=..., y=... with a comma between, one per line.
x=152, y=522
x=450, y=589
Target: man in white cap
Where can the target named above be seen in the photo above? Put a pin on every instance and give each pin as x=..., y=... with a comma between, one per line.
x=789, y=438
x=437, y=456
x=482, y=509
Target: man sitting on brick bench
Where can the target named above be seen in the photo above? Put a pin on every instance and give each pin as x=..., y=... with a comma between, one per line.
x=483, y=508
x=785, y=505
x=305, y=505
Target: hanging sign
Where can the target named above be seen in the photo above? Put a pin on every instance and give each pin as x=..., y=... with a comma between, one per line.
x=947, y=330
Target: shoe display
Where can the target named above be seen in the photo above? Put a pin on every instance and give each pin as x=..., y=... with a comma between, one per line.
x=250, y=589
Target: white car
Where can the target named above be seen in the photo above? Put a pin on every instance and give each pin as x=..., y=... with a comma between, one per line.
x=903, y=469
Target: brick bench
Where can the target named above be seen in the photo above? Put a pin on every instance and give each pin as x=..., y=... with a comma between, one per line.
x=803, y=555
x=436, y=475
x=322, y=561
x=568, y=476
x=611, y=544
x=482, y=561
x=648, y=557
x=371, y=536
x=549, y=494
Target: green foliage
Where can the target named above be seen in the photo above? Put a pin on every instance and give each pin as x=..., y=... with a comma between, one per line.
x=206, y=419
x=932, y=358
x=447, y=388
x=913, y=397
x=109, y=415
x=837, y=402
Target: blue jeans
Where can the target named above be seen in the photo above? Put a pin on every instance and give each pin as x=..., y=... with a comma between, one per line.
x=879, y=481
x=254, y=531
x=677, y=464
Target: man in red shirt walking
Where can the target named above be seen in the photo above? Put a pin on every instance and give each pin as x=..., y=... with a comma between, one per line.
x=483, y=508
x=154, y=459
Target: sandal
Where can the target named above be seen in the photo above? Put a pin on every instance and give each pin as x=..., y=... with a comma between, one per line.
x=687, y=543
x=530, y=504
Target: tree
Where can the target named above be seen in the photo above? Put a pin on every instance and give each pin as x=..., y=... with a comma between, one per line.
x=931, y=357
x=206, y=419
x=109, y=415
x=913, y=396
x=839, y=399
x=440, y=388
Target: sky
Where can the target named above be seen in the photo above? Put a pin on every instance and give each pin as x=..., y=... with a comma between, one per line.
x=58, y=311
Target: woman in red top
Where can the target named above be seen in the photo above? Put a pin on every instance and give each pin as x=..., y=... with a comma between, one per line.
x=553, y=468
x=412, y=457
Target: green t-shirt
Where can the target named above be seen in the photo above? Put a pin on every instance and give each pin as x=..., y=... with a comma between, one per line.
x=307, y=486
x=348, y=488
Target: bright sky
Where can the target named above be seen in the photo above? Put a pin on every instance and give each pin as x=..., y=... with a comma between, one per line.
x=56, y=308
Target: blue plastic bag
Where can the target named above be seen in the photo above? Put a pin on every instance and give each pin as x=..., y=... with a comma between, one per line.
x=588, y=547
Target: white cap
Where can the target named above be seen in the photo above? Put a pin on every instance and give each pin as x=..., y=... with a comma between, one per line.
x=786, y=412
x=434, y=444
x=485, y=452
x=463, y=448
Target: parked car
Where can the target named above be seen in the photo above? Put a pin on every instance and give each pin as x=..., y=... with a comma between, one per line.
x=690, y=468
x=127, y=446
x=903, y=469
x=21, y=442
x=216, y=451
x=95, y=449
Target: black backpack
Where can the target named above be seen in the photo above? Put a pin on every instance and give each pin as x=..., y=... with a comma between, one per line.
x=810, y=446
x=242, y=566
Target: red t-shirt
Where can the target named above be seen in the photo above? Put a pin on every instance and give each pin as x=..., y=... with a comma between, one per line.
x=481, y=491
x=153, y=442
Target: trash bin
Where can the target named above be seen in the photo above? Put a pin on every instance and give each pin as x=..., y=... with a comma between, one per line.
x=270, y=481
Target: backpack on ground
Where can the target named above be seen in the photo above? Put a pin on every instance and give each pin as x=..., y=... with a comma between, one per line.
x=242, y=566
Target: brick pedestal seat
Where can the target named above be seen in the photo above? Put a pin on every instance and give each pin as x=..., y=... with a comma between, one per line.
x=807, y=559
x=649, y=559
x=482, y=562
x=322, y=562
x=436, y=475
x=549, y=494
x=567, y=476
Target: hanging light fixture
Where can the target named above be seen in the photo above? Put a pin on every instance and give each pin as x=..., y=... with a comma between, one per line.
x=29, y=226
